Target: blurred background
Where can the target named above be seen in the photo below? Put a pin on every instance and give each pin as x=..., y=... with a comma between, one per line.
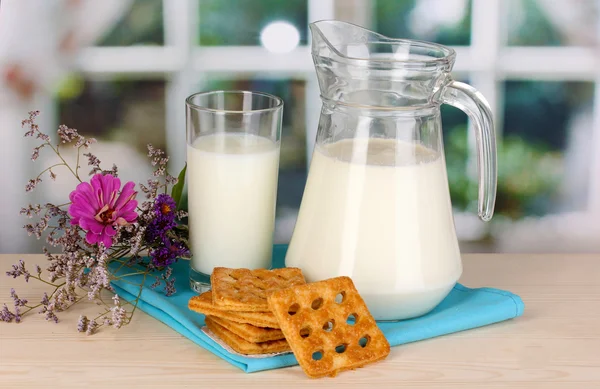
x=119, y=70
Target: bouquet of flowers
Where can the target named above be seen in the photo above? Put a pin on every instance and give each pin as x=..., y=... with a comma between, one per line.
x=102, y=224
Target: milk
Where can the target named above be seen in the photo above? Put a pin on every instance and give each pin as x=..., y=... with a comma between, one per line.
x=379, y=211
x=232, y=180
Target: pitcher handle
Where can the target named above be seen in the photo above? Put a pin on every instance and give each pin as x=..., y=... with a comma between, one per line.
x=470, y=101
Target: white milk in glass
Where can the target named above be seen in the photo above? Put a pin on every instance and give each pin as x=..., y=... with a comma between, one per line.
x=386, y=223
x=232, y=181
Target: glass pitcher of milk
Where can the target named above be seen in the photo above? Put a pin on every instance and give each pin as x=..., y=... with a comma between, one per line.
x=376, y=206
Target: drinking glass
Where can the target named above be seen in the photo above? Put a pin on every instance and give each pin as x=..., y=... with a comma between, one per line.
x=233, y=142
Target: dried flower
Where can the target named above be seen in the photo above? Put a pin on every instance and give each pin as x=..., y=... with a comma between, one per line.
x=118, y=313
x=102, y=223
x=19, y=270
x=98, y=208
x=98, y=277
x=158, y=157
x=17, y=301
x=51, y=316
x=6, y=315
x=31, y=210
x=94, y=162
x=170, y=287
x=36, y=152
x=82, y=324
x=91, y=327
x=31, y=184
x=156, y=283
x=66, y=134
x=167, y=274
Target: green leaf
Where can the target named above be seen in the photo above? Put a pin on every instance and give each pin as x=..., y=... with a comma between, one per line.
x=177, y=190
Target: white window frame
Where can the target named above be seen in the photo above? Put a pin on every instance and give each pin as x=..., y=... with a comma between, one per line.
x=487, y=62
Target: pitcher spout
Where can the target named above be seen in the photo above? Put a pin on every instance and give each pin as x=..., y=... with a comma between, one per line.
x=358, y=66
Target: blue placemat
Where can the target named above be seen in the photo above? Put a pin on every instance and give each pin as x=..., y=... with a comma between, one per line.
x=463, y=309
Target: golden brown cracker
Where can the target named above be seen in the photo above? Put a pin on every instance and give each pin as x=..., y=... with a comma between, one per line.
x=321, y=332
x=247, y=290
x=249, y=332
x=243, y=346
x=203, y=304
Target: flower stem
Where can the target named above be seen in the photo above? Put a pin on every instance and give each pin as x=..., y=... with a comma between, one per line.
x=77, y=163
x=137, y=299
x=45, y=170
x=62, y=159
x=46, y=282
x=103, y=314
x=129, y=274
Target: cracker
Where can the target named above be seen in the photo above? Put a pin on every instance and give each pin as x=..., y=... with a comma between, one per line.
x=249, y=332
x=247, y=290
x=315, y=325
x=203, y=304
x=243, y=346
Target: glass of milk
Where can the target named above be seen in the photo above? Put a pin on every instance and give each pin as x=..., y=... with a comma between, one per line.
x=233, y=142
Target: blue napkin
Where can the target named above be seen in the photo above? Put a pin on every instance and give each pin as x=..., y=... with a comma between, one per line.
x=463, y=309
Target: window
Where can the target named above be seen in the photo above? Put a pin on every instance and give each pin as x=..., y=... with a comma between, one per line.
x=142, y=24
x=539, y=73
x=240, y=22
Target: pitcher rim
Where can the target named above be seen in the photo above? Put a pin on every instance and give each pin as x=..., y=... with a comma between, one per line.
x=449, y=54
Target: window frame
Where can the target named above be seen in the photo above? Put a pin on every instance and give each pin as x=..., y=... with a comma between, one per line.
x=488, y=62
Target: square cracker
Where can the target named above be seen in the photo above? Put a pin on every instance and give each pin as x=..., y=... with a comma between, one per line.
x=203, y=304
x=249, y=332
x=243, y=346
x=247, y=290
x=328, y=326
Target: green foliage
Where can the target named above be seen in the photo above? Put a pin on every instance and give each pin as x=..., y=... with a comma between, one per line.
x=535, y=30
x=526, y=173
x=142, y=24
x=177, y=190
x=463, y=190
x=70, y=87
x=393, y=20
x=239, y=22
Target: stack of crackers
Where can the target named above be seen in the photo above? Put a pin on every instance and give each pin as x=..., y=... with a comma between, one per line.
x=237, y=311
x=326, y=324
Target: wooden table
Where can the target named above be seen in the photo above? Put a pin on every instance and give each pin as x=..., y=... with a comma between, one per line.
x=556, y=344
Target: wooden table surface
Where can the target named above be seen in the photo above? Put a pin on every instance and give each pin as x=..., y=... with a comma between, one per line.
x=555, y=344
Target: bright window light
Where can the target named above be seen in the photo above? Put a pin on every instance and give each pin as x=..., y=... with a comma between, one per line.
x=280, y=37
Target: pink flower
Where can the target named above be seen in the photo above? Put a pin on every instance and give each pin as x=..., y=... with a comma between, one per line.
x=97, y=207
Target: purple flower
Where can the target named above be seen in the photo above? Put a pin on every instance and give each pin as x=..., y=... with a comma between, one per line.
x=164, y=218
x=165, y=255
x=165, y=206
x=162, y=257
x=97, y=207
